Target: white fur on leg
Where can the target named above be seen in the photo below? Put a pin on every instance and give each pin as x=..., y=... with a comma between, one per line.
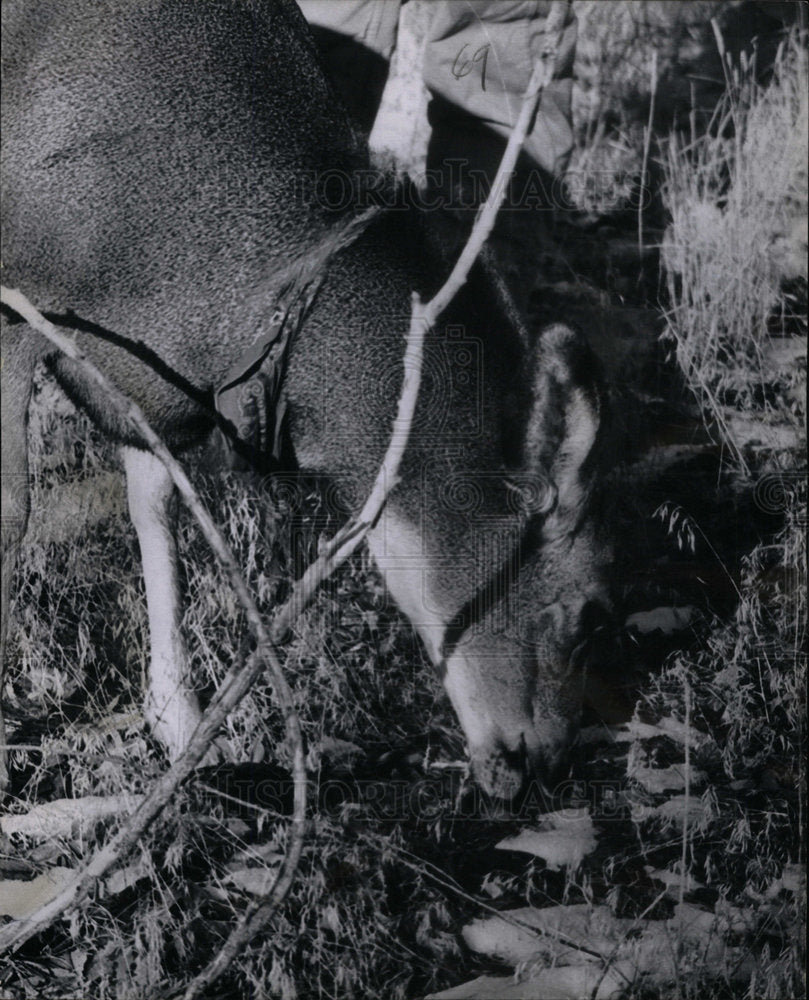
x=171, y=709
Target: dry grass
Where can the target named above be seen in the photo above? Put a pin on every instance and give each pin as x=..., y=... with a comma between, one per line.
x=746, y=684
x=385, y=888
x=735, y=267
x=78, y=660
x=613, y=82
x=735, y=250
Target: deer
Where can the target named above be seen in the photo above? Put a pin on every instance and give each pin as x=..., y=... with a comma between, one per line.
x=165, y=169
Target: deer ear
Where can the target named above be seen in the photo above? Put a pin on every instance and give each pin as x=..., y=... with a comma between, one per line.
x=566, y=414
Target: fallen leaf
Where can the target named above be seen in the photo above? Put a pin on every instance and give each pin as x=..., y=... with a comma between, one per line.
x=793, y=879
x=673, y=880
x=668, y=779
x=124, y=878
x=20, y=899
x=674, y=811
x=570, y=982
x=665, y=620
x=566, y=839
x=62, y=817
x=558, y=932
x=636, y=730
x=258, y=881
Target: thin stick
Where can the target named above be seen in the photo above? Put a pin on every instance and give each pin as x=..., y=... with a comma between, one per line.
x=647, y=138
x=440, y=877
x=422, y=317
x=258, y=914
x=346, y=541
x=233, y=688
x=618, y=944
x=687, y=802
x=238, y=682
x=540, y=78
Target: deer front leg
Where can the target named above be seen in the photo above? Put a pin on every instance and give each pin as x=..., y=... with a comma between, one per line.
x=16, y=373
x=171, y=707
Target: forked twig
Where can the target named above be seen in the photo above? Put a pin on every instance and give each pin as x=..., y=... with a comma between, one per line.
x=540, y=78
x=421, y=319
x=348, y=538
x=259, y=913
x=238, y=681
x=236, y=684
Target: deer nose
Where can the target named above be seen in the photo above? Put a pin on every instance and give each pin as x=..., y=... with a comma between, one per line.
x=498, y=774
x=504, y=772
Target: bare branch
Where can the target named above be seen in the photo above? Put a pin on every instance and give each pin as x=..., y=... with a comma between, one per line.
x=346, y=541
x=233, y=688
x=484, y=223
x=238, y=682
x=258, y=914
